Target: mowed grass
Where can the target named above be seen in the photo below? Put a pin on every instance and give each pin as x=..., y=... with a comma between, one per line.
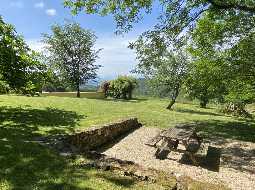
x=24, y=164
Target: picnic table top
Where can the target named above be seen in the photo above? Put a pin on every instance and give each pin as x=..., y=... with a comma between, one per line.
x=180, y=132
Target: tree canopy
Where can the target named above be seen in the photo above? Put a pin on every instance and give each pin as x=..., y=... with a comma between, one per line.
x=71, y=49
x=174, y=15
x=223, y=64
x=165, y=68
x=19, y=65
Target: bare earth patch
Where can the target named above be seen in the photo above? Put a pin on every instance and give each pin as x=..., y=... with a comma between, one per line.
x=237, y=169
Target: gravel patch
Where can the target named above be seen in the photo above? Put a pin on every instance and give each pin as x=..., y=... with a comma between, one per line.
x=237, y=169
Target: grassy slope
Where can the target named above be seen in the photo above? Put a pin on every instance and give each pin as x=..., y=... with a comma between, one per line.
x=26, y=165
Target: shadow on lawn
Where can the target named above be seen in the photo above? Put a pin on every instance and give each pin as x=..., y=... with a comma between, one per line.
x=191, y=111
x=25, y=164
x=49, y=117
x=117, y=180
x=242, y=130
x=235, y=140
x=133, y=100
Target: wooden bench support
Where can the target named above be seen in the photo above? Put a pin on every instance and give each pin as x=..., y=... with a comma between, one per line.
x=184, y=134
x=163, y=151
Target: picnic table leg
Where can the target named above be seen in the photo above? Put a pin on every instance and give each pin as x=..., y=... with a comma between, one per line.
x=193, y=159
x=163, y=151
x=199, y=139
x=191, y=156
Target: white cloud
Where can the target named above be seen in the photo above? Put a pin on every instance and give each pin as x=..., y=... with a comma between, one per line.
x=39, y=5
x=51, y=12
x=17, y=4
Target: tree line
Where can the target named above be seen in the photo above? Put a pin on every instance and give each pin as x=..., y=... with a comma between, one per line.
x=204, y=48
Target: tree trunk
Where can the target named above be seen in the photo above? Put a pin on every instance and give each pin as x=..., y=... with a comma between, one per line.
x=78, y=91
x=203, y=103
x=130, y=95
x=169, y=107
x=174, y=97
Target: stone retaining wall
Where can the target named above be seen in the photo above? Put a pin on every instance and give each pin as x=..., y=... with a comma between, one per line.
x=102, y=135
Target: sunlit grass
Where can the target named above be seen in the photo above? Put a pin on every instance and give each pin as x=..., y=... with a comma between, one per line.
x=24, y=164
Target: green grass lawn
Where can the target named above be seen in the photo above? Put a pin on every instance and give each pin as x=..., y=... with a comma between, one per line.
x=25, y=164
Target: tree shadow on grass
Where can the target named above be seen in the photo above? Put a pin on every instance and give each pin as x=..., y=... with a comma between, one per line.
x=117, y=180
x=50, y=117
x=25, y=164
x=198, y=112
x=236, y=141
x=236, y=130
x=133, y=100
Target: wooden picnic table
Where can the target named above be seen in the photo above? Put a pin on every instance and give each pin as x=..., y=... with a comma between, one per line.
x=171, y=138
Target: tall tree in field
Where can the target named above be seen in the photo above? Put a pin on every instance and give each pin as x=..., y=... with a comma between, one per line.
x=166, y=68
x=223, y=61
x=71, y=49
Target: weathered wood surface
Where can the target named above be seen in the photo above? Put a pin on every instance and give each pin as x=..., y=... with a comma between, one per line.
x=152, y=142
x=179, y=132
x=184, y=134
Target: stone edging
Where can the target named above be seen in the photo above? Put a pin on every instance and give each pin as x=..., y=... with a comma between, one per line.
x=97, y=136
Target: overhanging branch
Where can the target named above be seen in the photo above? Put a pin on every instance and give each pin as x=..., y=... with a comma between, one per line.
x=222, y=5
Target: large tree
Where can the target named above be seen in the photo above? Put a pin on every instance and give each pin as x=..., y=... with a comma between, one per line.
x=166, y=67
x=72, y=50
x=19, y=65
x=205, y=81
x=223, y=64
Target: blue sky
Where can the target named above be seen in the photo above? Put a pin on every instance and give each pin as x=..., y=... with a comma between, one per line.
x=34, y=17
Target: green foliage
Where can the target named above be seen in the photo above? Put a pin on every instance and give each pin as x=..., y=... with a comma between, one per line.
x=223, y=65
x=204, y=81
x=29, y=88
x=71, y=50
x=19, y=65
x=240, y=83
x=55, y=82
x=122, y=87
x=165, y=68
x=13, y=57
x=175, y=15
x=4, y=87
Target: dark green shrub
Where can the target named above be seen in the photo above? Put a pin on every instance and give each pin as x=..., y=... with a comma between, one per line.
x=122, y=87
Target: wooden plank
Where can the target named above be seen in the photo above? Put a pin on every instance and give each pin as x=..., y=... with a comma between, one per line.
x=152, y=142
